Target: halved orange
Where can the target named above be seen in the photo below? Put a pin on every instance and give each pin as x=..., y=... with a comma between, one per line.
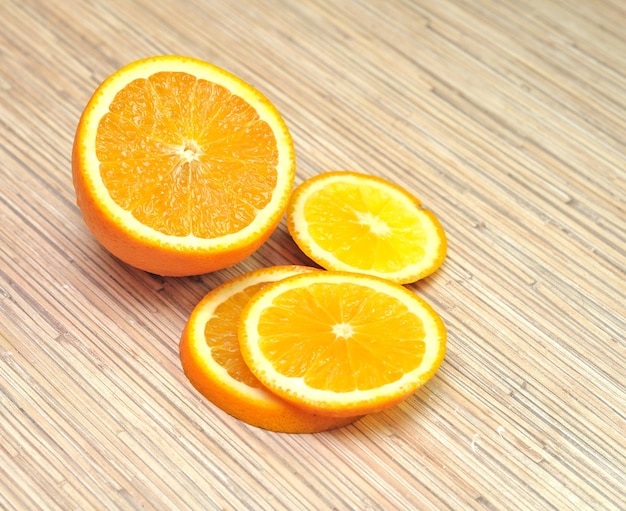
x=349, y=221
x=212, y=361
x=180, y=167
x=341, y=343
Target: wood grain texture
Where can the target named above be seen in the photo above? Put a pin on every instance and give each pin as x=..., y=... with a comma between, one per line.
x=506, y=118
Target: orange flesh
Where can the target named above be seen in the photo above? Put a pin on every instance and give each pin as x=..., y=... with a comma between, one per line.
x=375, y=332
x=185, y=156
x=222, y=337
x=358, y=224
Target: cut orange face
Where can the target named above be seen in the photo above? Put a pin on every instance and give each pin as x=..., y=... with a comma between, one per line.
x=341, y=343
x=212, y=361
x=181, y=168
x=348, y=221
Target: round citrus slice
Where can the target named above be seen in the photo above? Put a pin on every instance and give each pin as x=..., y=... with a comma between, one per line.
x=341, y=343
x=356, y=222
x=180, y=167
x=212, y=361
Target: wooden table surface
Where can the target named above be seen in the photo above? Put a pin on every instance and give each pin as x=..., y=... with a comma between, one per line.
x=506, y=118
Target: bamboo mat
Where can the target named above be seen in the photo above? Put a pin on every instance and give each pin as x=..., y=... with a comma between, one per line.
x=506, y=118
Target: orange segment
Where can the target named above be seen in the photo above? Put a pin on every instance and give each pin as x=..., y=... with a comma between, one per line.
x=212, y=361
x=356, y=222
x=341, y=343
x=180, y=167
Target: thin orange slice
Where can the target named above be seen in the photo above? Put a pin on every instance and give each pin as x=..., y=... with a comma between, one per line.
x=341, y=343
x=180, y=167
x=356, y=222
x=212, y=361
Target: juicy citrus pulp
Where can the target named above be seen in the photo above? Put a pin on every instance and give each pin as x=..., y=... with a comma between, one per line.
x=341, y=343
x=212, y=361
x=357, y=222
x=180, y=167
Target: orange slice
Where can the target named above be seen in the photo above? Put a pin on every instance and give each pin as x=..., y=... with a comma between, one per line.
x=356, y=222
x=181, y=168
x=212, y=361
x=341, y=343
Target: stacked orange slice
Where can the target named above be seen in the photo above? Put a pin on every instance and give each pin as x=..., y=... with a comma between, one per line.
x=212, y=360
x=295, y=350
